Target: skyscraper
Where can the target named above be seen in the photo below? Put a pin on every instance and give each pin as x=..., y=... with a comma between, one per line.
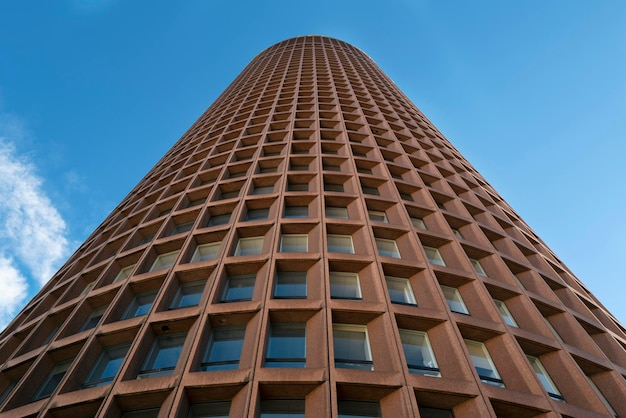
x=313, y=246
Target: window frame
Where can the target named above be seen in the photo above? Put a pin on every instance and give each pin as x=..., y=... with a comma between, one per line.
x=335, y=276
x=407, y=291
x=334, y=247
x=159, y=345
x=506, y=315
x=353, y=363
x=394, y=252
x=227, y=288
x=276, y=344
x=101, y=366
x=455, y=295
x=495, y=379
x=238, y=333
x=298, y=247
x=164, y=261
x=544, y=378
x=243, y=248
x=206, y=252
x=478, y=268
x=188, y=289
x=293, y=276
x=424, y=348
x=53, y=380
x=434, y=256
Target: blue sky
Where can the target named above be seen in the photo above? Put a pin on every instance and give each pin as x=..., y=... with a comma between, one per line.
x=94, y=92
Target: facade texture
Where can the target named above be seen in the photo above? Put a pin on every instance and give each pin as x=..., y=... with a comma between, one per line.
x=313, y=246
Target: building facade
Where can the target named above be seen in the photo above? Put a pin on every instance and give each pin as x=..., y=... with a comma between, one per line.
x=313, y=246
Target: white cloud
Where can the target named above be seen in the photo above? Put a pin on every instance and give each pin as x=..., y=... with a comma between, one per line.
x=31, y=229
x=13, y=288
x=33, y=235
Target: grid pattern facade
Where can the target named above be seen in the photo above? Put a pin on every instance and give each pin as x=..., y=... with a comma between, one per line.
x=313, y=245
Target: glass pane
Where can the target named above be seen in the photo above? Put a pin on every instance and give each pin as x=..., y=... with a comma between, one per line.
x=248, y=246
x=482, y=362
x=453, y=298
x=418, y=223
x=336, y=212
x=257, y=214
x=209, y=410
x=163, y=355
x=418, y=353
x=224, y=348
x=290, y=284
x=294, y=243
x=358, y=409
x=282, y=408
x=387, y=248
x=107, y=365
x=223, y=219
x=344, y=286
x=543, y=377
x=189, y=294
x=206, y=252
x=239, y=287
x=433, y=256
x=351, y=347
x=400, y=290
x=504, y=312
x=377, y=216
x=296, y=211
x=164, y=261
x=340, y=244
x=478, y=267
x=286, y=346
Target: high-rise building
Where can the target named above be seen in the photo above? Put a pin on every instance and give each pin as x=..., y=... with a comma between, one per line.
x=313, y=246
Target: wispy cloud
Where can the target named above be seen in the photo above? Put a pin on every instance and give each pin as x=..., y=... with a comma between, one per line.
x=33, y=235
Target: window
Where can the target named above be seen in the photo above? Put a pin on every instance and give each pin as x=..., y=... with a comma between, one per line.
x=340, y=244
x=358, y=409
x=370, y=190
x=87, y=288
x=294, y=243
x=290, y=284
x=544, y=378
x=435, y=413
x=7, y=390
x=333, y=187
x=180, y=228
x=286, y=346
x=164, y=261
x=418, y=352
x=478, y=268
x=457, y=233
x=142, y=413
x=336, y=212
x=296, y=212
x=263, y=190
x=454, y=300
x=216, y=220
x=196, y=202
x=297, y=187
x=239, y=288
x=124, y=273
x=140, y=304
x=345, y=286
x=419, y=223
x=248, y=246
x=400, y=290
x=209, y=409
x=224, y=349
x=433, y=256
x=257, y=214
x=188, y=294
x=106, y=366
x=595, y=388
x=163, y=356
x=279, y=408
x=94, y=318
x=206, y=252
x=387, y=248
x=53, y=379
x=482, y=363
x=504, y=311
x=298, y=167
x=352, y=348
x=377, y=216
x=229, y=195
